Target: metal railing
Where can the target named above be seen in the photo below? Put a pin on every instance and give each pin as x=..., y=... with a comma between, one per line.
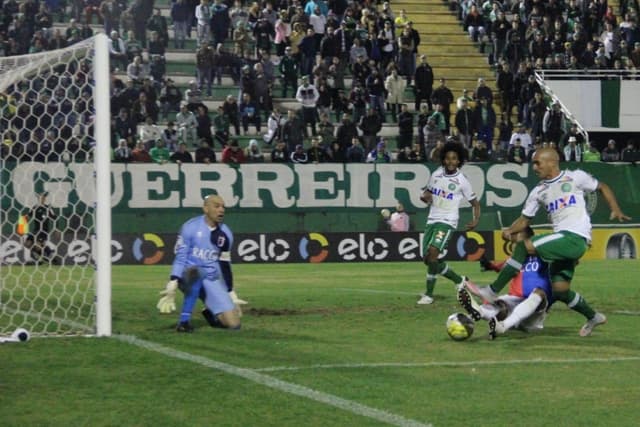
x=540, y=76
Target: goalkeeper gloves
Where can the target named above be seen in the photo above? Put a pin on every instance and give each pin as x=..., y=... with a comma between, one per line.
x=235, y=299
x=237, y=302
x=167, y=304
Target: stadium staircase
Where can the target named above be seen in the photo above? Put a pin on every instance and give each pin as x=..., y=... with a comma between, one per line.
x=448, y=48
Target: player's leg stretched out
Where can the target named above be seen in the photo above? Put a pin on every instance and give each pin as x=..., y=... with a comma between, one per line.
x=562, y=250
x=536, y=301
x=435, y=240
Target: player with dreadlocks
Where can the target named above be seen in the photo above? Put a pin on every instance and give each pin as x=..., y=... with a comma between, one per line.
x=443, y=193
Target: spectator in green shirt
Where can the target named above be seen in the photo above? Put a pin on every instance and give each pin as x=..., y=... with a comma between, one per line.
x=221, y=124
x=591, y=155
x=439, y=118
x=159, y=153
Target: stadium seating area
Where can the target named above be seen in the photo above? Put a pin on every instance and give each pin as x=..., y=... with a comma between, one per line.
x=476, y=48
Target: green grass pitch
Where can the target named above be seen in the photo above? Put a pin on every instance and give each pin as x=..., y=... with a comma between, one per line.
x=334, y=345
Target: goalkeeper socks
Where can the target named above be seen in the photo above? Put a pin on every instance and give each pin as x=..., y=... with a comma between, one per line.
x=523, y=310
x=511, y=268
x=432, y=270
x=190, y=300
x=575, y=302
x=444, y=270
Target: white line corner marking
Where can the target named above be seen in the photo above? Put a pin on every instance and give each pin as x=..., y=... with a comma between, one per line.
x=266, y=380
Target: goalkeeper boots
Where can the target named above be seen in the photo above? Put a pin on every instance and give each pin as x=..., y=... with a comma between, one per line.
x=184, y=327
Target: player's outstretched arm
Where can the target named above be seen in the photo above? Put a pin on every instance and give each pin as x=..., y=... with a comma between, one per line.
x=475, y=204
x=426, y=197
x=517, y=226
x=610, y=197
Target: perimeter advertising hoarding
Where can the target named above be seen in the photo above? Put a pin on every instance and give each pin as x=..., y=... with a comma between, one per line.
x=606, y=243
x=313, y=247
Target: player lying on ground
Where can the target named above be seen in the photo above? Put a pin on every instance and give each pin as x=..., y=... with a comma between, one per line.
x=444, y=192
x=561, y=193
x=202, y=269
x=527, y=303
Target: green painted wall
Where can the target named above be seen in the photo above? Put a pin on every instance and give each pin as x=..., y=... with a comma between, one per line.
x=282, y=198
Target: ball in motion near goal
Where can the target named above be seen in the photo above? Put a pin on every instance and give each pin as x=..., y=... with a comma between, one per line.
x=55, y=218
x=460, y=326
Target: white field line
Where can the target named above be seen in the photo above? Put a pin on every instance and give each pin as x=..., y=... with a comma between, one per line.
x=473, y=363
x=377, y=291
x=626, y=312
x=266, y=380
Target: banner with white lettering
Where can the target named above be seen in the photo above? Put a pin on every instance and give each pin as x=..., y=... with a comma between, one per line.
x=280, y=198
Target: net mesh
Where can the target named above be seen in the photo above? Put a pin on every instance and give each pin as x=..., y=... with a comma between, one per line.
x=47, y=192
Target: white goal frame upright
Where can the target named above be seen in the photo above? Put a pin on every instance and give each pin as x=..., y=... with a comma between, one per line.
x=102, y=159
x=23, y=66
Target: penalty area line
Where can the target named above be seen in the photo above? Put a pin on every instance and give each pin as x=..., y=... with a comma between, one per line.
x=472, y=363
x=274, y=383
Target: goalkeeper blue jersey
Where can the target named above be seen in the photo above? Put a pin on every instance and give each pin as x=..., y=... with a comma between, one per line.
x=204, y=247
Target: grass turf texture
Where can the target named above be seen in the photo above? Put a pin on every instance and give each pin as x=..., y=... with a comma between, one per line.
x=355, y=315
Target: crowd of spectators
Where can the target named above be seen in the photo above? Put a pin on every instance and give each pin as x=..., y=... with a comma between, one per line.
x=555, y=34
x=304, y=51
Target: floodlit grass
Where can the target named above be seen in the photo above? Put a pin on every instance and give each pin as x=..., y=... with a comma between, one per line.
x=352, y=331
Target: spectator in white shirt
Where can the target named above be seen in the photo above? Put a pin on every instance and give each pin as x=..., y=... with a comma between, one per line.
x=525, y=139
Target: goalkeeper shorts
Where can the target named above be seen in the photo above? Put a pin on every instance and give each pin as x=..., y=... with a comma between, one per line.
x=217, y=297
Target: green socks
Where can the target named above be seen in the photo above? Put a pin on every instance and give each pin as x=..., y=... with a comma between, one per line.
x=511, y=267
x=575, y=302
x=443, y=269
x=432, y=271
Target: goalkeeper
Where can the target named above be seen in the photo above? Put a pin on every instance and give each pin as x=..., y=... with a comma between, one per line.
x=41, y=217
x=202, y=269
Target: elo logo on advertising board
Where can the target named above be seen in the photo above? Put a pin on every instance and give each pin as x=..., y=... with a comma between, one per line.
x=318, y=244
x=152, y=239
x=470, y=246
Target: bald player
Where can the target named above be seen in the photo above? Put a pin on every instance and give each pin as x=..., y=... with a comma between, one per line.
x=561, y=194
x=202, y=268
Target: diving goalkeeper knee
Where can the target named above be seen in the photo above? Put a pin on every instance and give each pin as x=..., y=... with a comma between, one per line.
x=167, y=304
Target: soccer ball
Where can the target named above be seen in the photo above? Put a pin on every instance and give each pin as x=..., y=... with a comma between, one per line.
x=459, y=326
x=21, y=334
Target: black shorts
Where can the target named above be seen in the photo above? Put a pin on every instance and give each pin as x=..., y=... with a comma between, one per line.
x=40, y=237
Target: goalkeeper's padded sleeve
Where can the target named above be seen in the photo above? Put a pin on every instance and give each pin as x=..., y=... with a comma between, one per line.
x=227, y=275
x=223, y=241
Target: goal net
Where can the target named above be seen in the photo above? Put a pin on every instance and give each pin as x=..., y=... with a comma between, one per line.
x=55, y=191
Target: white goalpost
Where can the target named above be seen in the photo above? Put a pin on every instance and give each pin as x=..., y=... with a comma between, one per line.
x=55, y=192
